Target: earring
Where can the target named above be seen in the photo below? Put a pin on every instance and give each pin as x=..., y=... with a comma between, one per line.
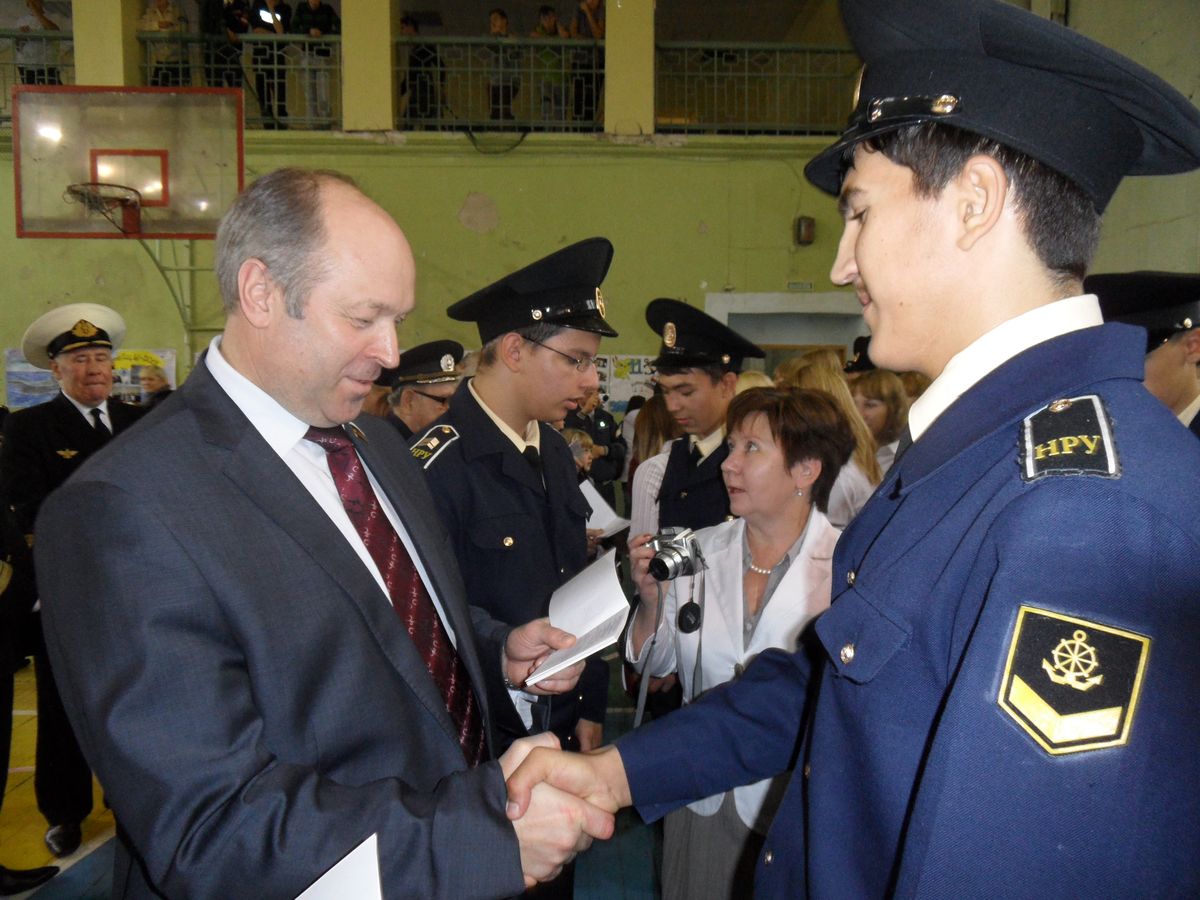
x=800, y=492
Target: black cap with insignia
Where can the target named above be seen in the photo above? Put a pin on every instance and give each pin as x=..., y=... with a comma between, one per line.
x=860, y=361
x=430, y=363
x=989, y=68
x=1164, y=303
x=560, y=289
x=692, y=339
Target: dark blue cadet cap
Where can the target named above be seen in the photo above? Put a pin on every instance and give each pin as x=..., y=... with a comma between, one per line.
x=560, y=289
x=1164, y=303
x=430, y=363
x=692, y=338
x=992, y=69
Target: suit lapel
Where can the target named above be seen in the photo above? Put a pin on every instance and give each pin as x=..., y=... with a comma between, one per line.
x=251, y=464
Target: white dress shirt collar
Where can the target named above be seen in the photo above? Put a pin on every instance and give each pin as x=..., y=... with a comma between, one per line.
x=990, y=351
x=278, y=427
x=533, y=434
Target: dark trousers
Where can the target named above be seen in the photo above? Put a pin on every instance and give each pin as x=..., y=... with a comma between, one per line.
x=62, y=780
x=501, y=96
x=222, y=66
x=270, y=82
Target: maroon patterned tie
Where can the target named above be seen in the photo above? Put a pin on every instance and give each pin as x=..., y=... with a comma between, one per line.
x=409, y=597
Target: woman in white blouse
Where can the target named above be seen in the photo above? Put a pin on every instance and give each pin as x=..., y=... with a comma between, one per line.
x=880, y=398
x=765, y=575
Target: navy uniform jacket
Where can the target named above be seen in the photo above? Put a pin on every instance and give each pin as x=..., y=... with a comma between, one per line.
x=400, y=425
x=693, y=497
x=516, y=541
x=45, y=444
x=1194, y=426
x=937, y=755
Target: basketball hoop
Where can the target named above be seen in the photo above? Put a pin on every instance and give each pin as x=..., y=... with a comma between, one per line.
x=105, y=199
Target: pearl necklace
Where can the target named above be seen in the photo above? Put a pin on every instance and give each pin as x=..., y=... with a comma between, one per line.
x=760, y=570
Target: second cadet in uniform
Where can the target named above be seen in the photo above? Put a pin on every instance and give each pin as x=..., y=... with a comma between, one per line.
x=697, y=368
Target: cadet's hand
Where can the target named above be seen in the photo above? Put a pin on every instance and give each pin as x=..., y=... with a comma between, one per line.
x=597, y=777
x=527, y=648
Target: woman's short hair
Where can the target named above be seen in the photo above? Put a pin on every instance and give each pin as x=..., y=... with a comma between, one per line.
x=806, y=424
x=888, y=389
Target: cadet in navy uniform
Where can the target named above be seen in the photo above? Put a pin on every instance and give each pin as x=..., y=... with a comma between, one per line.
x=1001, y=699
x=1167, y=305
x=422, y=385
x=43, y=446
x=504, y=480
x=608, y=447
x=697, y=370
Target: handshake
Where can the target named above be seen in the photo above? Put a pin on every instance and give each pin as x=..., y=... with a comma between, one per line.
x=559, y=802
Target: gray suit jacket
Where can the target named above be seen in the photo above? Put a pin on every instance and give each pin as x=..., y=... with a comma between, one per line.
x=262, y=709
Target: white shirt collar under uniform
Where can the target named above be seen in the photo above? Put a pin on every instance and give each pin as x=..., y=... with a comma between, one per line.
x=533, y=434
x=1190, y=411
x=708, y=443
x=987, y=353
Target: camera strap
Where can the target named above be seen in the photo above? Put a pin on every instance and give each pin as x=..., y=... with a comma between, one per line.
x=643, y=680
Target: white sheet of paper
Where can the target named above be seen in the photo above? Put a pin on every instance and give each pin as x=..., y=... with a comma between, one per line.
x=603, y=516
x=356, y=875
x=590, y=606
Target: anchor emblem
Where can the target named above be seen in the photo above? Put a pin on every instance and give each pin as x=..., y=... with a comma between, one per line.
x=1074, y=662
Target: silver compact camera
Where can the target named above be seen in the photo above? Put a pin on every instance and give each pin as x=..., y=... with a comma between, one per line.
x=676, y=552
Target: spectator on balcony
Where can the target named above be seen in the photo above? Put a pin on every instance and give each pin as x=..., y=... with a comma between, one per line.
x=587, y=65
x=505, y=80
x=271, y=17
x=222, y=22
x=167, y=56
x=316, y=19
x=37, y=58
x=424, y=79
x=548, y=66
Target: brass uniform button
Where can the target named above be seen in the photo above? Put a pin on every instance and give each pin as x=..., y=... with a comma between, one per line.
x=508, y=542
x=683, y=495
x=846, y=654
x=807, y=770
x=768, y=857
x=851, y=577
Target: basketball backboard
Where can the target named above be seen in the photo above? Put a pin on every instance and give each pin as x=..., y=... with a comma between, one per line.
x=98, y=162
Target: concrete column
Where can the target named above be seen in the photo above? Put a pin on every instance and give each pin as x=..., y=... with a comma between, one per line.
x=629, y=67
x=368, y=77
x=106, y=46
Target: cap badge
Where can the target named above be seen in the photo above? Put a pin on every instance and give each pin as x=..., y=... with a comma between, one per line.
x=536, y=314
x=945, y=104
x=669, y=335
x=447, y=363
x=599, y=303
x=84, y=329
x=724, y=359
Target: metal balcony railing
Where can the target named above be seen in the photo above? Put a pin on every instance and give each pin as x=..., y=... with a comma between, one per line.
x=290, y=81
x=33, y=57
x=477, y=84
x=783, y=89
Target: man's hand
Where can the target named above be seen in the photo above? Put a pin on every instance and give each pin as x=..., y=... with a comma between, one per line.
x=527, y=648
x=554, y=828
x=597, y=777
x=589, y=734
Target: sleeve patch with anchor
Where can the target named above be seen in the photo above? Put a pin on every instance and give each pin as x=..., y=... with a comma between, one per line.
x=436, y=439
x=1071, y=436
x=1070, y=684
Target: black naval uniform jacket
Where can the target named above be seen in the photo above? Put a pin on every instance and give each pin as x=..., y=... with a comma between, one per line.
x=515, y=539
x=400, y=425
x=45, y=444
x=693, y=496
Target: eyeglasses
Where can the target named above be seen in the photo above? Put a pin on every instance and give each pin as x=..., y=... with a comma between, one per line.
x=581, y=365
x=440, y=401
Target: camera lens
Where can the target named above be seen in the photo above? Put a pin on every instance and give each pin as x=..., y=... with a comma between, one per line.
x=666, y=564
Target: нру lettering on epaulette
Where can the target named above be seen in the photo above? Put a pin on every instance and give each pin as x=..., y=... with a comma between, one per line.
x=436, y=439
x=1071, y=436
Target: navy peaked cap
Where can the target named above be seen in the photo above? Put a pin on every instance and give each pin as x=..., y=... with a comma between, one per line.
x=560, y=289
x=1164, y=303
x=691, y=338
x=992, y=69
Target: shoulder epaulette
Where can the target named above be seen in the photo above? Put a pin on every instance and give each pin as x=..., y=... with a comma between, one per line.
x=433, y=442
x=1071, y=436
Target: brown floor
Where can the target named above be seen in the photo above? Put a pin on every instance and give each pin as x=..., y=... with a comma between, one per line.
x=22, y=827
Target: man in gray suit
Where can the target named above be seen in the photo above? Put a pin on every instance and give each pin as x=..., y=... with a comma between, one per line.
x=292, y=665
